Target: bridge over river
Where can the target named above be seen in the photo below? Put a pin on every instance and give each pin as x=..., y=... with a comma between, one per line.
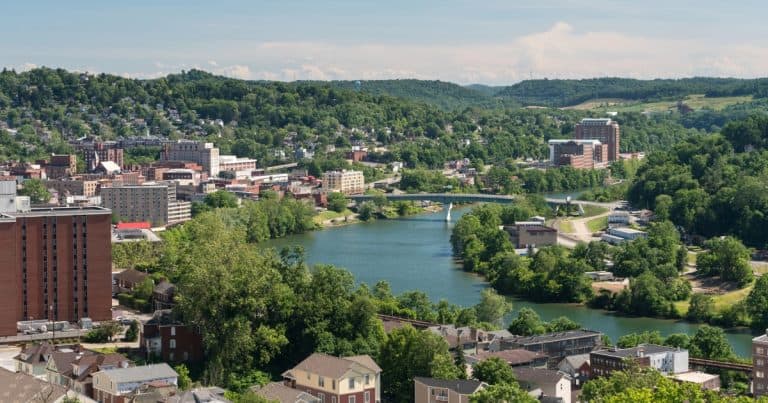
x=447, y=199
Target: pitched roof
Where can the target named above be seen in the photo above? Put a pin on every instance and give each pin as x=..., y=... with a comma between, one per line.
x=63, y=361
x=20, y=387
x=164, y=317
x=576, y=361
x=284, y=394
x=131, y=275
x=35, y=353
x=537, y=377
x=332, y=367
x=512, y=357
x=139, y=374
x=366, y=361
x=210, y=394
x=460, y=386
x=642, y=349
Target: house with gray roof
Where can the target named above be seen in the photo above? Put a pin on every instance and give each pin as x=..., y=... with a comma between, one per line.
x=431, y=390
x=284, y=394
x=544, y=383
x=114, y=384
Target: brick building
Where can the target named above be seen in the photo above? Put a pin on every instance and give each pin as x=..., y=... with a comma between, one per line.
x=337, y=379
x=170, y=339
x=579, y=154
x=96, y=152
x=56, y=264
x=61, y=166
x=605, y=130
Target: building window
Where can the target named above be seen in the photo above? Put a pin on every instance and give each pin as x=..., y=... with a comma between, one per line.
x=170, y=356
x=333, y=384
x=321, y=381
x=759, y=362
x=321, y=396
x=367, y=379
x=759, y=350
x=333, y=399
x=172, y=343
x=759, y=374
x=351, y=399
x=367, y=397
x=351, y=383
x=173, y=330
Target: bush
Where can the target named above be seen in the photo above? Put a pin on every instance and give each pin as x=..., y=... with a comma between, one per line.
x=125, y=299
x=133, y=332
x=142, y=305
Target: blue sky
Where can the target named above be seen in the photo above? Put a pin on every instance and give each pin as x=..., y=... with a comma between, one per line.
x=492, y=42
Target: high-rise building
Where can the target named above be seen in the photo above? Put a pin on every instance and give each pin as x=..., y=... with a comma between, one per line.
x=204, y=154
x=579, y=154
x=61, y=166
x=96, y=152
x=760, y=365
x=605, y=130
x=347, y=182
x=154, y=202
x=56, y=265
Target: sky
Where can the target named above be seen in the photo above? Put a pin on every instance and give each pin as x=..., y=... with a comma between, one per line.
x=492, y=42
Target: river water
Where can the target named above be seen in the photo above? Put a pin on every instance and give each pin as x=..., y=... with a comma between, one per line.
x=414, y=253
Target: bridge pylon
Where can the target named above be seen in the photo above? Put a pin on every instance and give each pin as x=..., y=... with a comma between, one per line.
x=448, y=209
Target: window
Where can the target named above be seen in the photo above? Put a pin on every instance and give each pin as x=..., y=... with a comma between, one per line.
x=351, y=399
x=351, y=383
x=321, y=396
x=321, y=381
x=333, y=384
x=170, y=356
x=173, y=330
x=759, y=374
x=367, y=397
x=367, y=379
x=759, y=362
x=759, y=350
x=333, y=399
x=172, y=343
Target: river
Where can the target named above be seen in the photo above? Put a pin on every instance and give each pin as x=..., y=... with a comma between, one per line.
x=414, y=253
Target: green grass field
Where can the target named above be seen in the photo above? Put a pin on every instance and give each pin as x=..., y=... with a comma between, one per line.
x=698, y=101
x=566, y=226
x=721, y=301
x=597, y=224
x=329, y=215
x=591, y=211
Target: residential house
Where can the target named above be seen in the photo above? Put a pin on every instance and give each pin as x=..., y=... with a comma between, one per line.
x=58, y=369
x=21, y=387
x=284, y=394
x=431, y=390
x=549, y=383
x=162, y=295
x=355, y=379
x=557, y=345
x=667, y=360
x=80, y=378
x=168, y=338
x=116, y=385
x=211, y=394
x=33, y=359
x=577, y=367
x=128, y=279
x=472, y=340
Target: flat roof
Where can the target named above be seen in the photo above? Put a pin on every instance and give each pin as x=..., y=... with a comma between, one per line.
x=577, y=141
x=645, y=349
x=550, y=337
x=695, y=377
x=56, y=212
x=627, y=230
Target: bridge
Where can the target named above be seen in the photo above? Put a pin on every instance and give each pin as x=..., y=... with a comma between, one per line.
x=733, y=366
x=448, y=199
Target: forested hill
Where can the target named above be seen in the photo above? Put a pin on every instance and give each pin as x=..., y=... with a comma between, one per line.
x=445, y=95
x=572, y=92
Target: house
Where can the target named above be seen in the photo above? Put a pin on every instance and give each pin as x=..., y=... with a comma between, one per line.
x=211, y=394
x=577, y=367
x=704, y=380
x=471, y=339
x=355, y=379
x=116, y=385
x=129, y=279
x=667, y=360
x=618, y=218
x=284, y=394
x=168, y=338
x=33, y=359
x=557, y=345
x=524, y=234
x=21, y=387
x=431, y=390
x=552, y=384
x=58, y=369
x=80, y=377
x=163, y=294
x=515, y=358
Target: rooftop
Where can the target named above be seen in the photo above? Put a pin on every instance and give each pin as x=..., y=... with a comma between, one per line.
x=20, y=387
x=639, y=351
x=694, y=377
x=460, y=386
x=577, y=141
x=558, y=336
x=140, y=374
x=334, y=367
x=537, y=376
x=133, y=225
x=55, y=212
x=512, y=357
x=596, y=121
x=281, y=393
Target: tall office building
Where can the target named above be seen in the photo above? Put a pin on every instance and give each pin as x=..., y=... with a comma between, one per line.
x=154, y=202
x=605, y=130
x=347, y=182
x=56, y=265
x=204, y=154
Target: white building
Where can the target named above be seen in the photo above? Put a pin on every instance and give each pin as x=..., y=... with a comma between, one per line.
x=204, y=154
x=153, y=201
x=347, y=182
x=111, y=385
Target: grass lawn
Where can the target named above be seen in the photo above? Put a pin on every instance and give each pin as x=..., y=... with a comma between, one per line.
x=566, y=226
x=721, y=301
x=329, y=215
x=691, y=259
x=597, y=224
x=760, y=268
x=591, y=211
x=697, y=101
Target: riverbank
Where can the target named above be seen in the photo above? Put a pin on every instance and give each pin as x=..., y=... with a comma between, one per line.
x=414, y=253
x=332, y=219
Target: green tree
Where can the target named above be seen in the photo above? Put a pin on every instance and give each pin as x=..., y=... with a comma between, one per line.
x=408, y=353
x=527, y=323
x=728, y=258
x=184, y=381
x=562, y=324
x=502, y=393
x=337, y=202
x=701, y=308
x=133, y=331
x=36, y=190
x=710, y=342
x=757, y=303
x=634, y=339
x=366, y=211
x=492, y=307
x=680, y=340
x=221, y=199
x=494, y=371
x=663, y=207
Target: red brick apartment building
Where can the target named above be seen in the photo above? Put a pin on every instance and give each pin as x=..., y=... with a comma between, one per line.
x=605, y=130
x=56, y=264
